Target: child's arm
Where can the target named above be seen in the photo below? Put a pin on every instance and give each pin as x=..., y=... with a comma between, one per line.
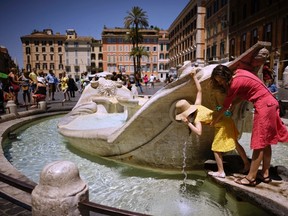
x=197, y=128
x=198, y=99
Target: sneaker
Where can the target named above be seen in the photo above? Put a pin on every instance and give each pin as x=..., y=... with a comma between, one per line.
x=217, y=174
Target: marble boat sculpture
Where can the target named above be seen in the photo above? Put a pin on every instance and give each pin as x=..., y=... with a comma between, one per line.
x=111, y=122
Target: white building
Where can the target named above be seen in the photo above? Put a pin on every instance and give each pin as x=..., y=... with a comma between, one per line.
x=77, y=54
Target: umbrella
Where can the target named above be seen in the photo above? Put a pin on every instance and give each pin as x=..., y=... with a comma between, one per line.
x=103, y=74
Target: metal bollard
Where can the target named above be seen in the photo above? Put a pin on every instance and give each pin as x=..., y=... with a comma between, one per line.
x=59, y=191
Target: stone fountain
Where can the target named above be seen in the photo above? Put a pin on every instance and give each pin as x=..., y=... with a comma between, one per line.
x=111, y=122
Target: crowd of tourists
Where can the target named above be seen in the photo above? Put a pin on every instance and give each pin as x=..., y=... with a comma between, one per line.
x=35, y=86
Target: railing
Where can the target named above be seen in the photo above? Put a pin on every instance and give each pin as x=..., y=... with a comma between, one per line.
x=19, y=185
x=85, y=207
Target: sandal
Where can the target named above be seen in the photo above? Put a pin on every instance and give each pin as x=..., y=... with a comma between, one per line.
x=217, y=174
x=263, y=179
x=247, y=182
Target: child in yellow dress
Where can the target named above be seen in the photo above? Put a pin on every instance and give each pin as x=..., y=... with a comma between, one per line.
x=226, y=133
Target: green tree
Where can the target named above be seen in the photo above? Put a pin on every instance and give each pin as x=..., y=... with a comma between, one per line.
x=135, y=20
x=140, y=51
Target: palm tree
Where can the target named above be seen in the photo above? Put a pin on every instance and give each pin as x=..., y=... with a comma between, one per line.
x=140, y=51
x=131, y=35
x=136, y=19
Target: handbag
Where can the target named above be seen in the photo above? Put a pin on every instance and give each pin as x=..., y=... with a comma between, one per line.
x=15, y=86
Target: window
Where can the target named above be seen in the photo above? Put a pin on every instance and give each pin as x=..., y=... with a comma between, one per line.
x=76, y=44
x=51, y=57
x=243, y=43
x=215, y=30
x=50, y=43
x=222, y=49
x=28, y=51
x=214, y=50
x=155, y=59
x=44, y=57
x=45, y=66
x=43, y=43
x=51, y=49
x=28, y=67
x=60, y=43
x=67, y=68
x=61, y=67
x=154, y=49
x=154, y=67
x=37, y=66
x=59, y=49
x=255, y=6
x=36, y=43
x=43, y=49
x=254, y=36
x=36, y=49
x=52, y=66
x=37, y=57
x=215, y=6
x=267, y=36
x=244, y=11
x=60, y=59
x=26, y=43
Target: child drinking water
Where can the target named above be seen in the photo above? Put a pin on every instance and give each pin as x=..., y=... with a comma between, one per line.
x=226, y=133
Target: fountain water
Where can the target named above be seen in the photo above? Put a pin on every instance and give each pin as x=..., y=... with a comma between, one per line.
x=143, y=190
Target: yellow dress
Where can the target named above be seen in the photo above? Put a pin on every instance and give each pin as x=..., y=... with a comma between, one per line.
x=64, y=83
x=226, y=133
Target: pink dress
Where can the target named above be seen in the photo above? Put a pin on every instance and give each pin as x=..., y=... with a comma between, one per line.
x=267, y=125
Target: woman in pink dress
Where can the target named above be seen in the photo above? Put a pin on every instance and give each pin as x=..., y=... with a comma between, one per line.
x=268, y=129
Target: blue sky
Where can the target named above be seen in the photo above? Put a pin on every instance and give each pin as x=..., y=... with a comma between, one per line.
x=87, y=17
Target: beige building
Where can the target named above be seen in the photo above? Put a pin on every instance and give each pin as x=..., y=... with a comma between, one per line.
x=187, y=35
x=163, y=60
x=251, y=21
x=96, y=56
x=117, y=48
x=44, y=50
x=216, y=31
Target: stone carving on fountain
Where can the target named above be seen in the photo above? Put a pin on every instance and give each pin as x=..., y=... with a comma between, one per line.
x=110, y=121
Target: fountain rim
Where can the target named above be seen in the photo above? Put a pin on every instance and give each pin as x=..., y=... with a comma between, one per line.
x=246, y=193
